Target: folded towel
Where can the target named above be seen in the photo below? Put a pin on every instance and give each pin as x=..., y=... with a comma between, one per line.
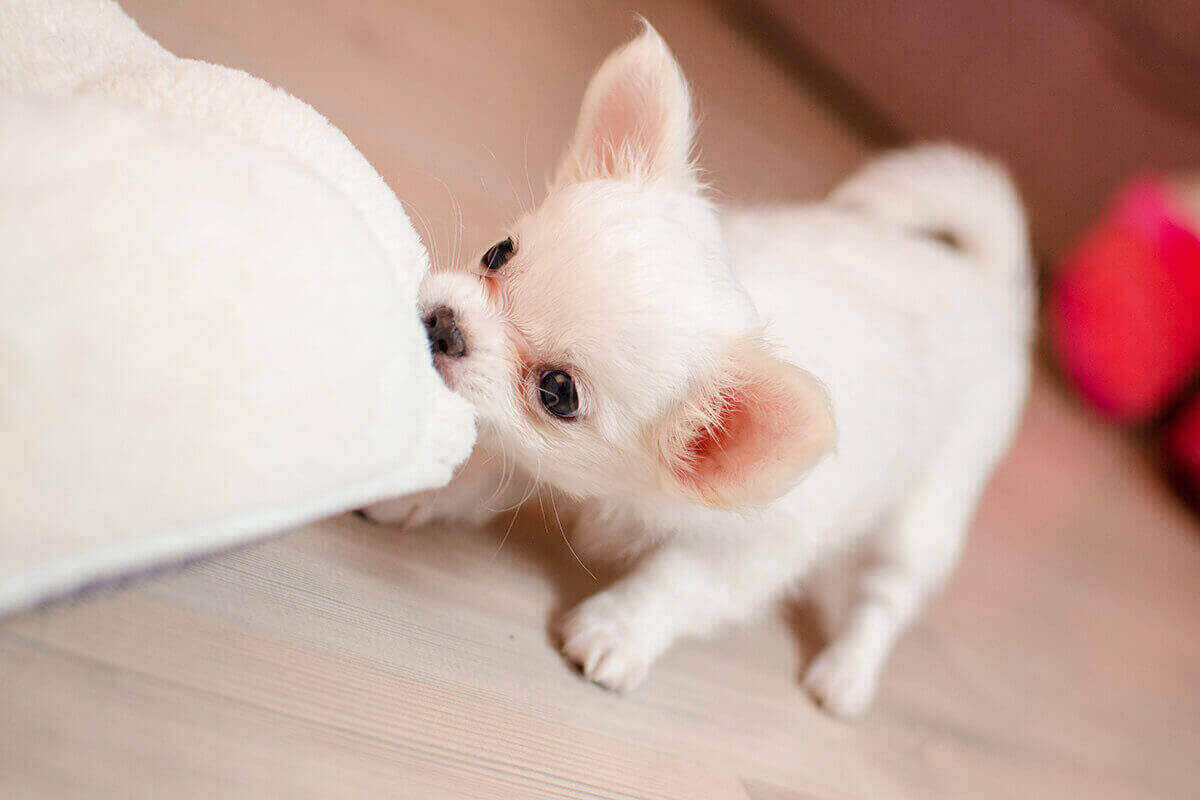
x=207, y=310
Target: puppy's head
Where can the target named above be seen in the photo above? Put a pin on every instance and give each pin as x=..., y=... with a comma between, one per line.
x=605, y=341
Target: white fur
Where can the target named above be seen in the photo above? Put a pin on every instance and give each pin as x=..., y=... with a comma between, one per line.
x=627, y=277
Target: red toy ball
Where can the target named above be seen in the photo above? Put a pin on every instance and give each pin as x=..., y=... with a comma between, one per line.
x=1124, y=317
x=1125, y=310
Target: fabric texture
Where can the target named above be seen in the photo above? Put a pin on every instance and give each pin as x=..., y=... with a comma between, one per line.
x=207, y=311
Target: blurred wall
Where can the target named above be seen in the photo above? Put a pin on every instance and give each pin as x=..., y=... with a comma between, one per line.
x=1075, y=94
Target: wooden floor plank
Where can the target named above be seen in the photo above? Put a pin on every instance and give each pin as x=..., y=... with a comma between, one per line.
x=437, y=731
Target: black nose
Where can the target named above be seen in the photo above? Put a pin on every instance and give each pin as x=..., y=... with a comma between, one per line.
x=444, y=335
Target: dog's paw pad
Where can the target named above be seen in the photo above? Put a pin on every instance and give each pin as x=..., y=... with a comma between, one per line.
x=843, y=680
x=597, y=638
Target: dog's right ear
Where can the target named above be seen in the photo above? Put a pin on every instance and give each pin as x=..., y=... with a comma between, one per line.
x=636, y=119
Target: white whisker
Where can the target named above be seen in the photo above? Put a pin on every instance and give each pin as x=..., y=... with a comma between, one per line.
x=511, y=186
x=507, y=531
x=528, y=182
x=456, y=209
x=563, y=531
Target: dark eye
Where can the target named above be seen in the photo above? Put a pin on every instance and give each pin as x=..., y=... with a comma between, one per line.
x=499, y=254
x=557, y=392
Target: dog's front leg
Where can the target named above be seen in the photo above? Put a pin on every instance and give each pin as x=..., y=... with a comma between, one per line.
x=686, y=586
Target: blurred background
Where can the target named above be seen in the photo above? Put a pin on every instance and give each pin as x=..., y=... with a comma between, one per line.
x=1063, y=659
x=1075, y=95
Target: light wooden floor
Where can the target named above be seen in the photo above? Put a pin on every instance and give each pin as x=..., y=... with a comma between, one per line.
x=344, y=660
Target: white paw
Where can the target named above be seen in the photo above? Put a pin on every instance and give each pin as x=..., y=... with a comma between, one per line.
x=843, y=679
x=599, y=636
x=411, y=511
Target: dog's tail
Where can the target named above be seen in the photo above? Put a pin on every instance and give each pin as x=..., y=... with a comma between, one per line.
x=950, y=194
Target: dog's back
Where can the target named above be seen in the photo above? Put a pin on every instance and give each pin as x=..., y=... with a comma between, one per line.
x=908, y=294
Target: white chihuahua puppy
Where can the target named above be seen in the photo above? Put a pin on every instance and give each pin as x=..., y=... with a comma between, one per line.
x=731, y=399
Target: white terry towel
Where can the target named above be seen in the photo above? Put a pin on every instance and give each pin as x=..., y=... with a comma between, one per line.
x=207, y=310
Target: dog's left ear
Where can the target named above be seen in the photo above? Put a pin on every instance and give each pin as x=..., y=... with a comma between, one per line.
x=636, y=118
x=750, y=435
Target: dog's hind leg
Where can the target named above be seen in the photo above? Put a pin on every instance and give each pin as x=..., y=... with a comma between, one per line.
x=912, y=555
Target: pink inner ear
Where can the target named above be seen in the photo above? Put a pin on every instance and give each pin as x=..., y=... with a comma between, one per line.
x=618, y=126
x=730, y=461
